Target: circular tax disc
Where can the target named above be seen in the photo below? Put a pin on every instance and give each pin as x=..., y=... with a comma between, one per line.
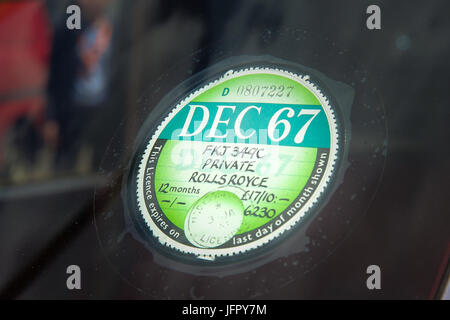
x=237, y=162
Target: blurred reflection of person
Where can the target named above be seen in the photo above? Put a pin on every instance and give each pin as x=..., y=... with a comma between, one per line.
x=78, y=85
x=24, y=58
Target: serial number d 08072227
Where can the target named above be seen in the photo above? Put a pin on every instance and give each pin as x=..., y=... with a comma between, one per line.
x=261, y=91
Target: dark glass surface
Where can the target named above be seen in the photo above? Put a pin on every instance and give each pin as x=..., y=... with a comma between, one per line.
x=58, y=155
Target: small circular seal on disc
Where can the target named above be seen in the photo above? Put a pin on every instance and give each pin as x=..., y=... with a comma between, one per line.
x=214, y=219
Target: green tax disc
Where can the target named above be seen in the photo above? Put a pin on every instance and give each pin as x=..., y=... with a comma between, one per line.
x=235, y=164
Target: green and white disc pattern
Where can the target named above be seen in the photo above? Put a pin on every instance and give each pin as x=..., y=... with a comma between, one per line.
x=237, y=163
